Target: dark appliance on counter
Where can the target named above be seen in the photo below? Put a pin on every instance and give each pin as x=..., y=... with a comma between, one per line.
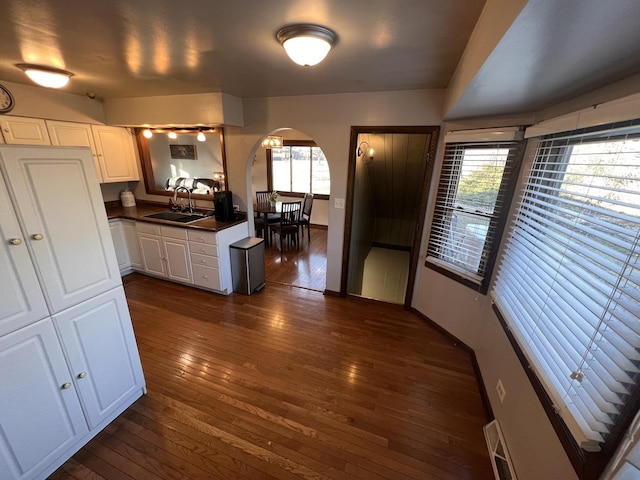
x=223, y=206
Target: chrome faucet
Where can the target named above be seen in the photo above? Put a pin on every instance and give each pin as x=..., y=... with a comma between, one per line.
x=175, y=199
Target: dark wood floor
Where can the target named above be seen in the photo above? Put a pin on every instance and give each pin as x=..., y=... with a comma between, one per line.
x=304, y=267
x=288, y=384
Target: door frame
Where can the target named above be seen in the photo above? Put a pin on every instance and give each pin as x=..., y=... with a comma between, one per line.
x=434, y=131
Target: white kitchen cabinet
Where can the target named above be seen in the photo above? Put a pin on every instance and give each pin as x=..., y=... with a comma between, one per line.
x=176, y=252
x=68, y=375
x=71, y=134
x=21, y=299
x=203, y=248
x=133, y=247
x=66, y=230
x=120, y=246
x=165, y=252
x=40, y=413
x=116, y=155
x=101, y=350
x=24, y=130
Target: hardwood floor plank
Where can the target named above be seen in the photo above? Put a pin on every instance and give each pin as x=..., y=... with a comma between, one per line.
x=288, y=384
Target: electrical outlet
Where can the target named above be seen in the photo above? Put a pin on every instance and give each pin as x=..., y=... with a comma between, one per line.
x=501, y=391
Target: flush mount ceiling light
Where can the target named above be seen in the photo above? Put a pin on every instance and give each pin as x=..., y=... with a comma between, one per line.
x=306, y=45
x=200, y=137
x=147, y=133
x=272, y=141
x=49, y=77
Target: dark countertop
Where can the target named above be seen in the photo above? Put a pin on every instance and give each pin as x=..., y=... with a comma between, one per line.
x=137, y=213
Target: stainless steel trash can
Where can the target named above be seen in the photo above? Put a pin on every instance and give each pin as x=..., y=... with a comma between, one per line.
x=247, y=265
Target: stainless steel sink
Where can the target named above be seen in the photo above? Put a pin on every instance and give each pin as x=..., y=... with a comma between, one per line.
x=177, y=216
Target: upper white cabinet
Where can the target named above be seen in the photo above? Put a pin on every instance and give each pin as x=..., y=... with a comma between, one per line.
x=112, y=148
x=21, y=299
x=59, y=204
x=70, y=134
x=24, y=130
x=116, y=155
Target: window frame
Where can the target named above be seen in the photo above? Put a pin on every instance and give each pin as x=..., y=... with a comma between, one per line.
x=509, y=181
x=294, y=143
x=587, y=465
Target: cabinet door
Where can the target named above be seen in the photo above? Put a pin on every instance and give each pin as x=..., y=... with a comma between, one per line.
x=24, y=131
x=178, y=260
x=152, y=253
x=131, y=238
x=59, y=203
x=40, y=412
x=101, y=349
x=21, y=299
x=120, y=245
x=69, y=134
x=115, y=153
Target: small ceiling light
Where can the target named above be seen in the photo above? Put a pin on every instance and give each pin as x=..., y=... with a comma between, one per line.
x=200, y=137
x=306, y=45
x=147, y=133
x=172, y=135
x=272, y=141
x=49, y=77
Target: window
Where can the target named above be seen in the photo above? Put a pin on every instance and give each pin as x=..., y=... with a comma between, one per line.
x=568, y=286
x=475, y=189
x=299, y=167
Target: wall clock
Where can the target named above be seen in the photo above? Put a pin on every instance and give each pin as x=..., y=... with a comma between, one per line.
x=6, y=100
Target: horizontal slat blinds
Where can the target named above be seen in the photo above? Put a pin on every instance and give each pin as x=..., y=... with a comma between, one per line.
x=569, y=281
x=472, y=200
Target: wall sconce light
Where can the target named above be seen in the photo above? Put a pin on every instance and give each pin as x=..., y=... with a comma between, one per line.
x=49, y=77
x=364, y=148
x=306, y=45
x=272, y=141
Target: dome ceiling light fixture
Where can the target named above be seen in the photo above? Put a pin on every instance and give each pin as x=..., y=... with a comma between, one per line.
x=49, y=77
x=306, y=45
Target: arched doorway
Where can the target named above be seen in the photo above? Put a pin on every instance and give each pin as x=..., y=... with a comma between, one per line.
x=297, y=168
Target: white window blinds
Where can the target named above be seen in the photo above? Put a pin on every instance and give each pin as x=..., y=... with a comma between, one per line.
x=569, y=281
x=473, y=197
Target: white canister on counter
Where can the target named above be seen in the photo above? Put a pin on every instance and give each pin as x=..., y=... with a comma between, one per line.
x=127, y=199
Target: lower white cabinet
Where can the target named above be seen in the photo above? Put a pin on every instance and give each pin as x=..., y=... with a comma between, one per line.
x=191, y=256
x=40, y=412
x=165, y=252
x=120, y=245
x=64, y=379
x=133, y=247
x=101, y=350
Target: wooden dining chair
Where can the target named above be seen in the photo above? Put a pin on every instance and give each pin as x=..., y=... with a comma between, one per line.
x=263, y=197
x=287, y=226
x=305, y=215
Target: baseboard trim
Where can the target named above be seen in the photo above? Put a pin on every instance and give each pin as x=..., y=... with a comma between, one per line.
x=331, y=293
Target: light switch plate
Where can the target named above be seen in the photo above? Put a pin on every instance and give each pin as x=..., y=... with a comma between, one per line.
x=339, y=203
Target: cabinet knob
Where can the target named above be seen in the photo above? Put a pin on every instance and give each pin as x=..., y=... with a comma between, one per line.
x=82, y=374
x=37, y=236
x=65, y=386
x=7, y=130
x=15, y=241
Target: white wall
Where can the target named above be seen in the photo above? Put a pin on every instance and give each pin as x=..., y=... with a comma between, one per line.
x=328, y=120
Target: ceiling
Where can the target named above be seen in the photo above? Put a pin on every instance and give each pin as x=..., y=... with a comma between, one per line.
x=129, y=48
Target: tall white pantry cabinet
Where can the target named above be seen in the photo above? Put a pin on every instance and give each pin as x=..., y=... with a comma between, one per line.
x=69, y=362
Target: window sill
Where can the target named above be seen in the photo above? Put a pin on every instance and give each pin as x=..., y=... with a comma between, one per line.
x=467, y=279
